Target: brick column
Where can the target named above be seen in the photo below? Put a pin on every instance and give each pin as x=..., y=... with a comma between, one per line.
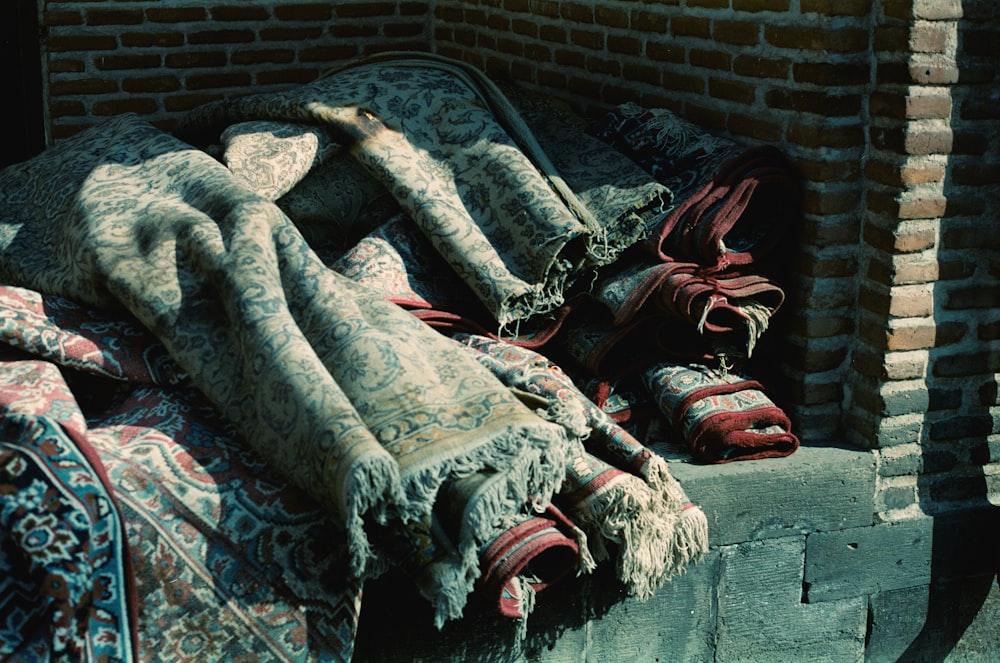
x=910, y=140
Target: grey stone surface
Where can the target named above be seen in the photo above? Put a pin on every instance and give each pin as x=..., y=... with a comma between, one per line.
x=867, y=560
x=816, y=488
x=762, y=617
x=898, y=617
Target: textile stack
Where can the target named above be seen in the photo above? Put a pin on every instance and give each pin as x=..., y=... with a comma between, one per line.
x=397, y=318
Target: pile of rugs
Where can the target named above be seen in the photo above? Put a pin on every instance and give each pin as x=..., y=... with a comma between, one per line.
x=398, y=318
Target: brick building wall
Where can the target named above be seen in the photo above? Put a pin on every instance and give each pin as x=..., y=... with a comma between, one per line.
x=888, y=108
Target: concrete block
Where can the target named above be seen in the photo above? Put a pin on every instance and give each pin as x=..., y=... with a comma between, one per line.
x=868, y=560
x=762, y=617
x=816, y=488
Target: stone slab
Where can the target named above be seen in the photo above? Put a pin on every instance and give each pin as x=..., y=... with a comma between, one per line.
x=954, y=621
x=907, y=553
x=815, y=488
x=762, y=617
x=867, y=560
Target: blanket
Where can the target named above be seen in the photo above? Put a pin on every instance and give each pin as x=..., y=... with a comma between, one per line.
x=322, y=333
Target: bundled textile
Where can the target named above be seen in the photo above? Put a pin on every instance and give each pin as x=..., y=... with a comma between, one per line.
x=358, y=325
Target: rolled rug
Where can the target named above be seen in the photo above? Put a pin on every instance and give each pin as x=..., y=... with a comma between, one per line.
x=731, y=203
x=732, y=303
x=528, y=557
x=722, y=416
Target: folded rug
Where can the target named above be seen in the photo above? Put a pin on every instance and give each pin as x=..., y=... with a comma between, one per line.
x=722, y=416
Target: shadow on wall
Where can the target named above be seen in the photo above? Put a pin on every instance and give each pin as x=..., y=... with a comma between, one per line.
x=965, y=556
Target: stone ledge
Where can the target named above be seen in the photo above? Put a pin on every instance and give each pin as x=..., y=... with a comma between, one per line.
x=815, y=489
x=798, y=570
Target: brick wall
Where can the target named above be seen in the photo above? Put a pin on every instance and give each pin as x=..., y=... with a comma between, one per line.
x=888, y=108
x=160, y=58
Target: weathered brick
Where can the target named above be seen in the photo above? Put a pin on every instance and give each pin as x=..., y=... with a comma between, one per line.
x=81, y=43
x=554, y=33
x=397, y=30
x=891, y=38
x=710, y=59
x=742, y=33
x=263, y=56
x=843, y=40
x=922, y=207
x=826, y=170
x=965, y=364
x=285, y=33
x=587, y=39
x=665, y=52
x=972, y=297
x=690, y=26
x=837, y=7
x=221, y=37
x=151, y=84
x=192, y=60
x=937, y=10
x=761, y=5
x=150, y=40
x=979, y=108
x=816, y=102
x=760, y=67
x=710, y=118
x=140, y=105
x=933, y=72
x=830, y=201
x=755, y=126
x=610, y=16
x=910, y=334
x=577, y=12
x=188, y=102
x=642, y=73
x=117, y=62
x=569, y=58
x=67, y=108
x=907, y=365
x=524, y=27
x=931, y=37
x=648, y=21
x=175, y=14
x=809, y=133
x=975, y=175
x=911, y=269
x=114, y=17
x=721, y=88
x=831, y=74
x=921, y=171
x=66, y=66
x=57, y=18
x=890, y=105
x=241, y=12
x=82, y=86
x=624, y=45
x=928, y=104
x=217, y=81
